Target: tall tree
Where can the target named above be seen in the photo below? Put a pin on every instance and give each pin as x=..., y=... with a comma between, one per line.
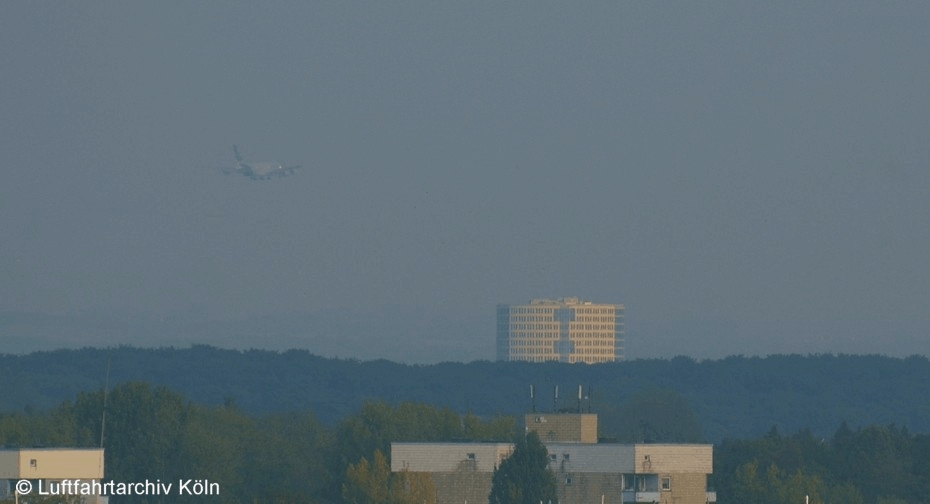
x=145, y=430
x=374, y=483
x=524, y=477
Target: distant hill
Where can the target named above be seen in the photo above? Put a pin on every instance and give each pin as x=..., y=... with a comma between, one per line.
x=736, y=397
x=406, y=334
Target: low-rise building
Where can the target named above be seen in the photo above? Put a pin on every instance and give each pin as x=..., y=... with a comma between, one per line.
x=45, y=469
x=586, y=472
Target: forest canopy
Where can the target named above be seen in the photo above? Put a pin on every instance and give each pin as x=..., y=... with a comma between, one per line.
x=736, y=397
x=154, y=432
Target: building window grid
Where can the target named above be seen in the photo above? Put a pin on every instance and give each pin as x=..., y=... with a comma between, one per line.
x=599, y=339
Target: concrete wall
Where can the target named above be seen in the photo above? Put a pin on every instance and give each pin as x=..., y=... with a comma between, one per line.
x=461, y=487
x=51, y=464
x=607, y=488
x=448, y=457
x=9, y=464
x=686, y=488
x=585, y=473
x=584, y=458
x=563, y=427
x=677, y=458
x=570, y=457
x=589, y=488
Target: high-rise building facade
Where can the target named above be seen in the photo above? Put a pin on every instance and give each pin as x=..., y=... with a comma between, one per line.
x=564, y=330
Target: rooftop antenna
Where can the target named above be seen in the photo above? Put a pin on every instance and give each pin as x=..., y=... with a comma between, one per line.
x=579, y=398
x=555, y=400
x=533, y=396
x=588, y=398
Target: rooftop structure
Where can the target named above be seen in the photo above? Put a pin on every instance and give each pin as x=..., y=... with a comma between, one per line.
x=563, y=427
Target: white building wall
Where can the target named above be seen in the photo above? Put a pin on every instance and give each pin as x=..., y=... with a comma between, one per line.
x=674, y=458
x=569, y=457
x=448, y=457
x=45, y=463
x=594, y=458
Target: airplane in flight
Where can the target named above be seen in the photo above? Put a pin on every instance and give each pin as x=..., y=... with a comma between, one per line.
x=262, y=170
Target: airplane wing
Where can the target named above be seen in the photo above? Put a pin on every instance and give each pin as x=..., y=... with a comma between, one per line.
x=230, y=170
x=281, y=171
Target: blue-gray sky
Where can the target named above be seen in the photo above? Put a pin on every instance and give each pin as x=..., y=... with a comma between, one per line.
x=745, y=177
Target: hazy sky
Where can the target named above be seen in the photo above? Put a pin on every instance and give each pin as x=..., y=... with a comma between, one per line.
x=745, y=177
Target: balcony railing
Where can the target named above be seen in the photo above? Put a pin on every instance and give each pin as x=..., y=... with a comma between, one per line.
x=633, y=496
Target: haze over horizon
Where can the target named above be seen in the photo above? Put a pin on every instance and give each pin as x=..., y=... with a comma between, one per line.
x=745, y=179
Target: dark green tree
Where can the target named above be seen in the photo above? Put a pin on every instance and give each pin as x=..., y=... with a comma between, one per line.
x=285, y=459
x=144, y=436
x=524, y=477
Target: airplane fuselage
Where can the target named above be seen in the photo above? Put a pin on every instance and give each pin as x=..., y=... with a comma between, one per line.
x=262, y=170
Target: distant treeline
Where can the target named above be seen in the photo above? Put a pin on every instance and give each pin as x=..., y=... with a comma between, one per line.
x=736, y=397
x=156, y=433
x=875, y=464
x=153, y=433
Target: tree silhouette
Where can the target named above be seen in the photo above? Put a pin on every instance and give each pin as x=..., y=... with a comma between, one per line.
x=524, y=477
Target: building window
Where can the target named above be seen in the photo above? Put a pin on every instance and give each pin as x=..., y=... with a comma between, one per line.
x=565, y=456
x=470, y=456
x=627, y=481
x=568, y=481
x=554, y=457
x=666, y=483
x=33, y=463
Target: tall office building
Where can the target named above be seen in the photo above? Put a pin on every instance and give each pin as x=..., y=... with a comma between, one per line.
x=564, y=330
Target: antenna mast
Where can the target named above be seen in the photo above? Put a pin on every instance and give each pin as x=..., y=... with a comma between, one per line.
x=103, y=416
